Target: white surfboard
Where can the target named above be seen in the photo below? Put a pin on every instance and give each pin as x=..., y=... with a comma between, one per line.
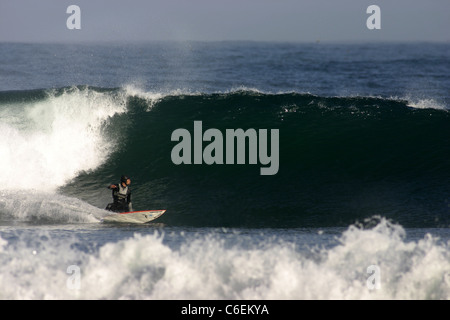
x=134, y=216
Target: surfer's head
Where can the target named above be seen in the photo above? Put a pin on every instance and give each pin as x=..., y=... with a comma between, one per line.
x=125, y=180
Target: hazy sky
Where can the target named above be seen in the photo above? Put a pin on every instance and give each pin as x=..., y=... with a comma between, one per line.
x=258, y=20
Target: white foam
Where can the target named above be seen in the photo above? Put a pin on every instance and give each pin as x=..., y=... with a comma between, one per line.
x=418, y=102
x=143, y=267
x=41, y=207
x=152, y=98
x=48, y=142
x=426, y=104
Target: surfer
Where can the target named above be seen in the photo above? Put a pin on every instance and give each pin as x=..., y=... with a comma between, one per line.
x=121, y=194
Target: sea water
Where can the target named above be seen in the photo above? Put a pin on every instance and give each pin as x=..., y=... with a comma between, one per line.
x=359, y=208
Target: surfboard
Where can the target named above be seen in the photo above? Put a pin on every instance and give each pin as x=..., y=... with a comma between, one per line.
x=134, y=216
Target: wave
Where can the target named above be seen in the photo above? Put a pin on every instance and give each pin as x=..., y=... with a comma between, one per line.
x=375, y=263
x=340, y=158
x=49, y=136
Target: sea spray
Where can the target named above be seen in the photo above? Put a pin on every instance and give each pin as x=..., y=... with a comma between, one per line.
x=36, y=208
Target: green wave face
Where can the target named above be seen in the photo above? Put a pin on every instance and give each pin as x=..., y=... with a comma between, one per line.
x=340, y=159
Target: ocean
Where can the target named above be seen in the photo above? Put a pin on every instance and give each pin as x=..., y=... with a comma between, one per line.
x=357, y=208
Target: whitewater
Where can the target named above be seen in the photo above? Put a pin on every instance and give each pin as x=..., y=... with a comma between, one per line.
x=222, y=264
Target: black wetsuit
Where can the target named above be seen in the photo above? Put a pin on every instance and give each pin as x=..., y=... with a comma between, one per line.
x=121, y=198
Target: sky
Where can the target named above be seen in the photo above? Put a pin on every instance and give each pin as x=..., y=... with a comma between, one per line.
x=222, y=20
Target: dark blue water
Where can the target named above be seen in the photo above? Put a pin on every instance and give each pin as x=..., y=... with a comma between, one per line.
x=419, y=71
x=363, y=175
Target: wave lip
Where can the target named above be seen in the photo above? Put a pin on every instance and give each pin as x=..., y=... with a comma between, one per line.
x=48, y=141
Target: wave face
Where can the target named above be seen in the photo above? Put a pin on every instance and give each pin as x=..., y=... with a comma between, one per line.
x=341, y=159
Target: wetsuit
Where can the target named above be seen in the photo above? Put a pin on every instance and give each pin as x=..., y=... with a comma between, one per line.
x=121, y=197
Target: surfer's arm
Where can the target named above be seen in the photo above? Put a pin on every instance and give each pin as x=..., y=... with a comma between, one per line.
x=112, y=187
x=130, y=206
